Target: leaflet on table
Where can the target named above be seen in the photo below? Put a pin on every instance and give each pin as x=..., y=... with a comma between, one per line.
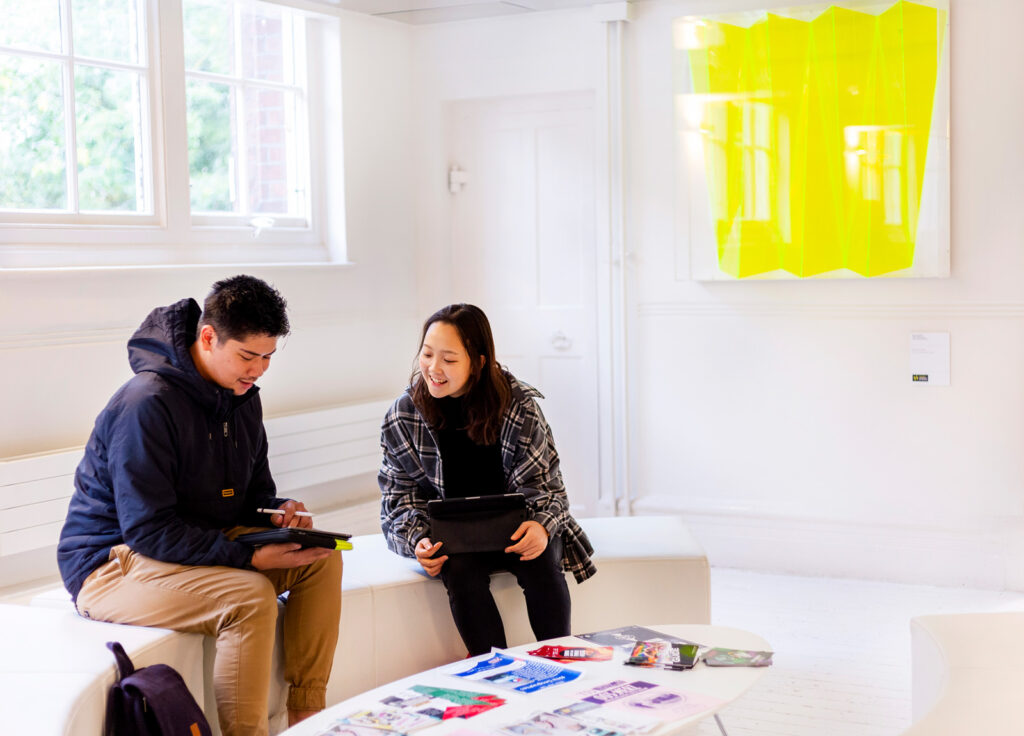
x=721, y=657
x=592, y=715
x=512, y=673
x=341, y=728
x=626, y=636
x=674, y=655
x=566, y=654
x=649, y=702
x=588, y=719
x=416, y=707
x=553, y=723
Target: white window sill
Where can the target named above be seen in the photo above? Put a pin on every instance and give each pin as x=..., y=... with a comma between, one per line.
x=237, y=265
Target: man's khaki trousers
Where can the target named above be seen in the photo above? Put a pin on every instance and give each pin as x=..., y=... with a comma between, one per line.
x=239, y=608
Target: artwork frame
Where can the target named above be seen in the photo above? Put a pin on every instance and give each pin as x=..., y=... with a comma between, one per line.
x=812, y=142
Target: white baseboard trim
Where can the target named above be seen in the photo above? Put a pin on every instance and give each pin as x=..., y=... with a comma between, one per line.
x=970, y=558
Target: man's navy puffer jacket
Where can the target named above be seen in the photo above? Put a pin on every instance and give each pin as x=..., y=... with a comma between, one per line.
x=172, y=460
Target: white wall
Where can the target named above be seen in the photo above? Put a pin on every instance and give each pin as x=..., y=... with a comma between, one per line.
x=779, y=416
x=527, y=54
x=63, y=333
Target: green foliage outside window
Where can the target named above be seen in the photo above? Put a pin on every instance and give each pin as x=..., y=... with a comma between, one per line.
x=109, y=139
x=210, y=146
x=32, y=160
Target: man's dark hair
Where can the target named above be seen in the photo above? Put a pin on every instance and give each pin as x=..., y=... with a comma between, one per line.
x=242, y=306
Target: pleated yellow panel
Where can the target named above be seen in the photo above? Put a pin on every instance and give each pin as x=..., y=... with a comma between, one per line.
x=815, y=137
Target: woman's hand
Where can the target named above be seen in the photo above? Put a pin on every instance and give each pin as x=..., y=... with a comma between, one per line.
x=533, y=540
x=289, y=519
x=425, y=550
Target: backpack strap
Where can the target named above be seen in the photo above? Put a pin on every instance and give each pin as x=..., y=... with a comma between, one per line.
x=124, y=663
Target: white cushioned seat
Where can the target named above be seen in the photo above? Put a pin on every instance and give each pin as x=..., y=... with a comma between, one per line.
x=56, y=668
x=968, y=674
x=413, y=626
x=395, y=621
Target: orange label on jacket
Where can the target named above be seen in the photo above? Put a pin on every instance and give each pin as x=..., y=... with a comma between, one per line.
x=194, y=730
x=228, y=492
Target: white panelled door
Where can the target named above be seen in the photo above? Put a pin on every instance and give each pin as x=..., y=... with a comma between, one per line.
x=523, y=250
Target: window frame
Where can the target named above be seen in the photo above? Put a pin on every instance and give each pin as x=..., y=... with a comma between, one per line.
x=170, y=234
x=69, y=61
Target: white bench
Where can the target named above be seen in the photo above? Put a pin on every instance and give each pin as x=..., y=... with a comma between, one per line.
x=395, y=622
x=55, y=670
x=968, y=674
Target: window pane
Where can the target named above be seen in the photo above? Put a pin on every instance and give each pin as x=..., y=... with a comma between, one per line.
x=267, y=46
x=271, y=151
x=106, y=29
x=209, y=35
x=108, y=111
x=34, y=25
x=32, y=139
x=211, y=159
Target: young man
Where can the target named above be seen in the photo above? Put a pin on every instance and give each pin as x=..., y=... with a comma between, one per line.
x=175, y=469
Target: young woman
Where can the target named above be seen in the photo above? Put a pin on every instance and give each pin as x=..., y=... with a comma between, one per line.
x=466, y=427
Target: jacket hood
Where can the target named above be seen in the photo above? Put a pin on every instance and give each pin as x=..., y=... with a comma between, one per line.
x=161, y=345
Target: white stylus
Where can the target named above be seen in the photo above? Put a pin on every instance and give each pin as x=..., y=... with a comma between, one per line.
x=281, y=511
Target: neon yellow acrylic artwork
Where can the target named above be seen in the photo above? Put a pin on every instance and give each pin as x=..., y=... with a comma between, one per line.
x=815, y=133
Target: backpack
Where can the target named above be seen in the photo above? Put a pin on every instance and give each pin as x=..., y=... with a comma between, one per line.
x=152, y=701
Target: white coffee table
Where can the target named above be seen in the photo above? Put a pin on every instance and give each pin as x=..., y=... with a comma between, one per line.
x=723, y=683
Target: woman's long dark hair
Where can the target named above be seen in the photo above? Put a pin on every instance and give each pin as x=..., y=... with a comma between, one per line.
x=488, y=393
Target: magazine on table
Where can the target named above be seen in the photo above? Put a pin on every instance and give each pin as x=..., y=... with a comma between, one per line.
x=648, y=702
x=553, y=723
x=512, y=673
x=340, y=728
x=390, y=719
x=722, y=657
x=625, y=637
x=594, y=716
x=414, y=708
x=616, y=708
x=566, y=654
x=442, y=703
x=674, y=655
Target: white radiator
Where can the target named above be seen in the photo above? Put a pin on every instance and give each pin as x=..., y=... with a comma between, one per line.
x=306, y=449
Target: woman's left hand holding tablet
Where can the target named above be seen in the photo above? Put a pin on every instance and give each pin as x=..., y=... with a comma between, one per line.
x=533, y=540
x=425, y=551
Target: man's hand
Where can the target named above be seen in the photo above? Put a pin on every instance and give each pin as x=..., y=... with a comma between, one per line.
x=425, y=556
x=533, y=540
x=287, y=555
x=288, y=518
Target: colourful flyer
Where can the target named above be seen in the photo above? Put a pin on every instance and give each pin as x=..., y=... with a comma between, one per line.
x=512, y=673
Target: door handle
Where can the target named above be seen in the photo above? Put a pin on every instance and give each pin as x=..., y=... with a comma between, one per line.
x=560, y=341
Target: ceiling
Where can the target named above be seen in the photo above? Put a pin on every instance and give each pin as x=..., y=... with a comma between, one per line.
x=442, y=11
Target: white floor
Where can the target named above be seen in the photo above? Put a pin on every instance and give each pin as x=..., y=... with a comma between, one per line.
x=842, y=650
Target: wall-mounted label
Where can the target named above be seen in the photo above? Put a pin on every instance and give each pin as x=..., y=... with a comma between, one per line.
x=929, y=358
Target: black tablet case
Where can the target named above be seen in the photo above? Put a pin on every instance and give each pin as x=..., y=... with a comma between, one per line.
x=476, y=523
x=305, y=537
